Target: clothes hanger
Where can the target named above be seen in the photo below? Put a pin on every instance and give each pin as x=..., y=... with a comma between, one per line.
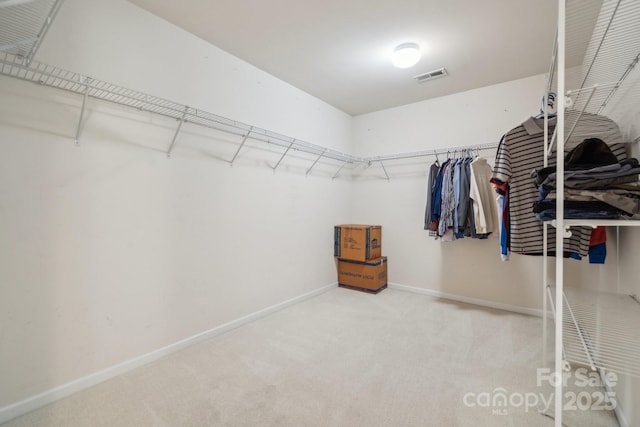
x=548, y=104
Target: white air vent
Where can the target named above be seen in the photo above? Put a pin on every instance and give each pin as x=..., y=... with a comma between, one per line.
x=440, y=72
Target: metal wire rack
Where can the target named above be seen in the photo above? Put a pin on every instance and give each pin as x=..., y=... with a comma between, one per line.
x=610, y=57
x=23, y=25
x=47, y=75
x=600, y=330
x=593, y=329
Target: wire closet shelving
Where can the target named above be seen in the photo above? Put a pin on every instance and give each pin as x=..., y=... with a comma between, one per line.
x=23, y=25
x=594, y=329
x=47, y=75
x=22, y=28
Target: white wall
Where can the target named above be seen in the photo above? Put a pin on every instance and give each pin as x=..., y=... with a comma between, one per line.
x=468, y=267
x=110, y=250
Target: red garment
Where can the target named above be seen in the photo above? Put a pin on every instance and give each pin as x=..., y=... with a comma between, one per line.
x=598, y=236
x=598, y=246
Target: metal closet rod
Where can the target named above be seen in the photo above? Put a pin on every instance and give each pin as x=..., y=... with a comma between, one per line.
x=436, y=152
x=48, y=75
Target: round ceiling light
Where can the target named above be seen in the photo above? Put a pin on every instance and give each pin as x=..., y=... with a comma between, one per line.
x=406, y=55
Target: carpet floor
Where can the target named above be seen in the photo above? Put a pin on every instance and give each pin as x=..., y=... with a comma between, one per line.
x=341, y=359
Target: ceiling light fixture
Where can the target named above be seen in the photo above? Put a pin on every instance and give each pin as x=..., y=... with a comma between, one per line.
x=406, y=55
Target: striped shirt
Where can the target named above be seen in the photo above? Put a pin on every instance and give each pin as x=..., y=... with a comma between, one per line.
x=522, y=150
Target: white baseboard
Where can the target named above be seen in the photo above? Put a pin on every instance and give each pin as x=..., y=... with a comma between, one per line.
x=468, y=300
x=620, y=415
x=34, y=402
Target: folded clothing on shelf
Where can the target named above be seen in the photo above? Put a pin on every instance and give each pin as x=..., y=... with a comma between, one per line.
x=590, y=176
x=597, y=185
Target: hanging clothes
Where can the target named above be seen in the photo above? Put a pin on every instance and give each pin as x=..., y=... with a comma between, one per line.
x=502, y=204
x=482, y=195
x=436, y=199
x=447, y=199
x=431, y=181
x=522, y=150
x=463, y=201
x=450, y=209
x=598, y=246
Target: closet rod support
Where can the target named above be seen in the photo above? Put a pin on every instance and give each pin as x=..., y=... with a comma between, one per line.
x=283, y=154
x=175, y=136
x=314, y=163
x=335, y=175
x=385, y=171
x=241, y=145
x=84, y=105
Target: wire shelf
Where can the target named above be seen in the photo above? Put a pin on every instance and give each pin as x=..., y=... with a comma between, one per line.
x=602, y=40
x=48, y=75
x=600, y=330
x=611, y=54
x=23, y=25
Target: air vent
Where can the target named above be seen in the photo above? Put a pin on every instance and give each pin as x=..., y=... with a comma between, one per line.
x=440, y=72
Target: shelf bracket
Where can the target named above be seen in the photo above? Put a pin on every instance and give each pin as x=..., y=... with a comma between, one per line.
x=175, y=136
x=567, y=228
x=385, y=171
x=87, y=81
x=283, y=154
x=335, y=175
x=241, y=145
x=314, y=163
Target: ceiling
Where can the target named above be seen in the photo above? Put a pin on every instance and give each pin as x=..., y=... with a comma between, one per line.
x=339, y=50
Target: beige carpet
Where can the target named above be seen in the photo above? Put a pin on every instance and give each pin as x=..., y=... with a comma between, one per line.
x=343, y=358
